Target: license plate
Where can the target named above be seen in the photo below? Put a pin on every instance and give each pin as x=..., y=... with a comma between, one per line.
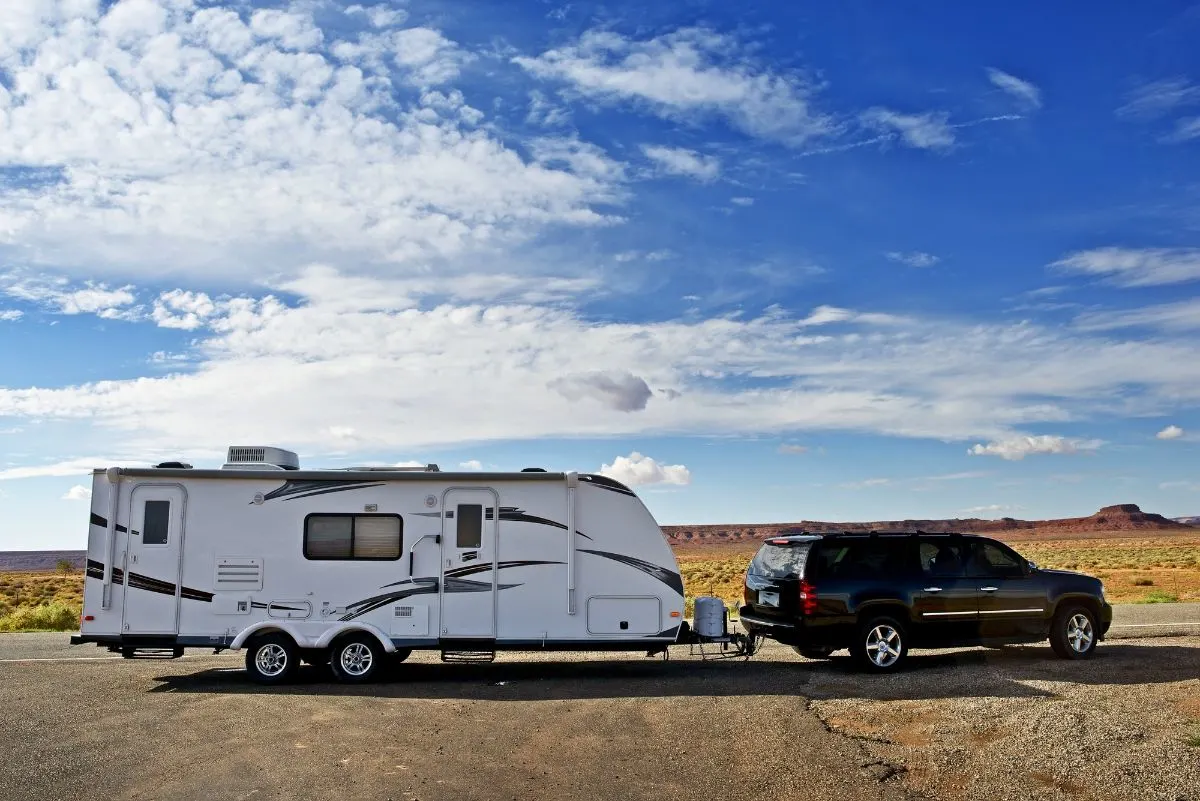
x=768, y=598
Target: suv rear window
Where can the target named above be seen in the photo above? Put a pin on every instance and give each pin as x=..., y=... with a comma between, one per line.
x=863, y=558
x=780, y=561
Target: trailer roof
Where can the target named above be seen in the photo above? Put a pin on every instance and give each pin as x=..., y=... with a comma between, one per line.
x=336, y=475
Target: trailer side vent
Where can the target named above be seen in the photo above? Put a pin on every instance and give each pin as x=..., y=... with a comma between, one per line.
x=241, y=573
x=260, y=457
x=404, y=611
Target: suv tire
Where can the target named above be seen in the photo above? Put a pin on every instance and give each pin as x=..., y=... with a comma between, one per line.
x=881, y=645
x=1073, y=632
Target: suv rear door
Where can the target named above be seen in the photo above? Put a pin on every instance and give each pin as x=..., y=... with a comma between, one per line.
x=945, y=602
x=773, y=577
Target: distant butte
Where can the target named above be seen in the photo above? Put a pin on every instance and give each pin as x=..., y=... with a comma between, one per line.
x=1121, y=518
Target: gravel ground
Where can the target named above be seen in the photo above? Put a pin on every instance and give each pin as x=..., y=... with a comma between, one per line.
x=998, y=724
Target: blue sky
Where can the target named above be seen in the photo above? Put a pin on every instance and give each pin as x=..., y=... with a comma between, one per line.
x=767, y=262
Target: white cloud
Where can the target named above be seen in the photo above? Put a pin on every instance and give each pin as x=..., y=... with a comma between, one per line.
x=637, y=470
x=683, y=74
x=928, y=131
x=70, y=467
x=681, y=161
x=78, y=493
x=238, y=148
x=1191, y=486
x=1157, y=98
x=792, y=450
x=1182, y=316
x=1018, y=447
x=990, y=510
x=471, y=464
x=10, y=315
x=1186, y=129
x=866, y=483
x=1134, y=267
x=1025, y=93
x=1170, y=432
x=914, y=259
x=59, y=296
x=380, y=16
x=623, y=392
x=742, y=201
x=184, y=310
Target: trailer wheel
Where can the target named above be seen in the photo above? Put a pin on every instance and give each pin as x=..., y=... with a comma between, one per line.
x=272, y=658
x=357, y=658
x=400, y=655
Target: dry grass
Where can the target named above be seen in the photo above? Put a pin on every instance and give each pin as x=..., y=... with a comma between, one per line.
x=40, y=601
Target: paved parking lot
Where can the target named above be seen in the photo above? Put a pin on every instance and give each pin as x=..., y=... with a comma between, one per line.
x=1008, y=723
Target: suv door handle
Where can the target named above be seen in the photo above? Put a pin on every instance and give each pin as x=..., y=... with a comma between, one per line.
x=988, y=589
x=933, y=589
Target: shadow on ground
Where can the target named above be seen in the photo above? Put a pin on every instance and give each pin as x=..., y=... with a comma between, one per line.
x=1006, y=672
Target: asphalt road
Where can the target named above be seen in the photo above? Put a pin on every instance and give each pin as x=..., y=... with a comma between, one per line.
x=79, y=724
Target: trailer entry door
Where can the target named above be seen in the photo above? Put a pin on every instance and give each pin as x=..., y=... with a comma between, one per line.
x=152, y=561
x=468, y=586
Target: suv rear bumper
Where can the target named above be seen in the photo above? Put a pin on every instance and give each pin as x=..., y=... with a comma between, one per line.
x=759, y=622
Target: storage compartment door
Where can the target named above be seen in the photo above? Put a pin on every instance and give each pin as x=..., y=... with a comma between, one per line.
x=624, y=615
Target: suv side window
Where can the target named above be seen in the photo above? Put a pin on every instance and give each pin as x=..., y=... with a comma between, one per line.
x=864, y=558
x=992, y=560
x=942, y=558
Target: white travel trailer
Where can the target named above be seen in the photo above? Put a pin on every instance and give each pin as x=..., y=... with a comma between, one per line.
x=359, y=567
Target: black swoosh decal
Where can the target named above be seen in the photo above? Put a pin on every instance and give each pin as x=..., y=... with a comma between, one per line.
x=102, y=522
x=292, y=490
x=604, y=482
x=141, y=582
x=512, y=514
x=459, y=572
x=672, y=580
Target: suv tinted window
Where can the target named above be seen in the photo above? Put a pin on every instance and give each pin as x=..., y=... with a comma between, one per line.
x=780, y=561
x=943, y=558
x=992, y=560
x=863, y=558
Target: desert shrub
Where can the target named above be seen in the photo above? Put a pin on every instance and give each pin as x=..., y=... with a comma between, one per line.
x=1158, y=597
x=45, y=617
x=64, y=566
x=1143, y=582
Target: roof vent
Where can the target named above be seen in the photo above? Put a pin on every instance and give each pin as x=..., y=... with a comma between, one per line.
x=429, y=468
x=260, y=457
x=173, y=466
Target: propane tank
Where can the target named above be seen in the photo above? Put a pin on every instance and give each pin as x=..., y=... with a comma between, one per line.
x=710, y=616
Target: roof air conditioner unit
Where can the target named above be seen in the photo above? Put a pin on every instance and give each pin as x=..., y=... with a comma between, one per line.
x=260, y=457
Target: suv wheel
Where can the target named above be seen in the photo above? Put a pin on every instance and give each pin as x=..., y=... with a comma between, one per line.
x=1073, y=633
x=813, y=653
x=272, y=658
x=881, y=645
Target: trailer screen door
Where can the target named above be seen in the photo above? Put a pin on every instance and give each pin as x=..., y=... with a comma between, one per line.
x=468, y=585
x=152, y=560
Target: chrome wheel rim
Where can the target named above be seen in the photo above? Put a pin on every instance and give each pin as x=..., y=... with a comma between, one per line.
x=883, y=646
x=356, y=659
x=271, y=659
x=1079, y=633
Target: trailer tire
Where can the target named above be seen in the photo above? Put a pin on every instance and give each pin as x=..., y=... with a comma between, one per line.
x=271, y=658
x=356, y=658
x=400, y=655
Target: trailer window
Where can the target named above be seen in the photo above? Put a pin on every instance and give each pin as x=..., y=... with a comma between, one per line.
x=470, y=525
x=156, y=522
x=364, y=537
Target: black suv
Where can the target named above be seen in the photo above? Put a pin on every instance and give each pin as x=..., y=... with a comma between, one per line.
x=877, y=594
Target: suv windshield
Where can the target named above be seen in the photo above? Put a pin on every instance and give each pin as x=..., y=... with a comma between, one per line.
x=780, y=561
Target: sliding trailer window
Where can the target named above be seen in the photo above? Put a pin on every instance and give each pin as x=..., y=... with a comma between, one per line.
x=353, y=537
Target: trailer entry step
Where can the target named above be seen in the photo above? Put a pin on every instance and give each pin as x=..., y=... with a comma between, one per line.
x=151, y=653
x=469, y=656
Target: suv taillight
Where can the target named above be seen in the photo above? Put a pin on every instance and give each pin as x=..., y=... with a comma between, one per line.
x=747, y=594
x=808, y=597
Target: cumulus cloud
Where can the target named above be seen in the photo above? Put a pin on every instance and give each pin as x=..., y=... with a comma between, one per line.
x=623, y=392
x=1017, y=448
x=60, y=296
x=1135, y=267
x=928, y=131
x=914, y=259
x=1170, y=432
x=10, y=315
x=682, y=74
x=638, y=470
x=471, y=464
x=202, y=141
x=78, y=493
x=1026, y=94
x=681, y=161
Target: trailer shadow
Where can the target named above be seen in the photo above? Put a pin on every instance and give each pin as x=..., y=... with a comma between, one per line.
x=1009, y=672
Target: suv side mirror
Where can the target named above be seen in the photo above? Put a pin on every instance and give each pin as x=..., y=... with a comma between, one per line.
x=1030, y=566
